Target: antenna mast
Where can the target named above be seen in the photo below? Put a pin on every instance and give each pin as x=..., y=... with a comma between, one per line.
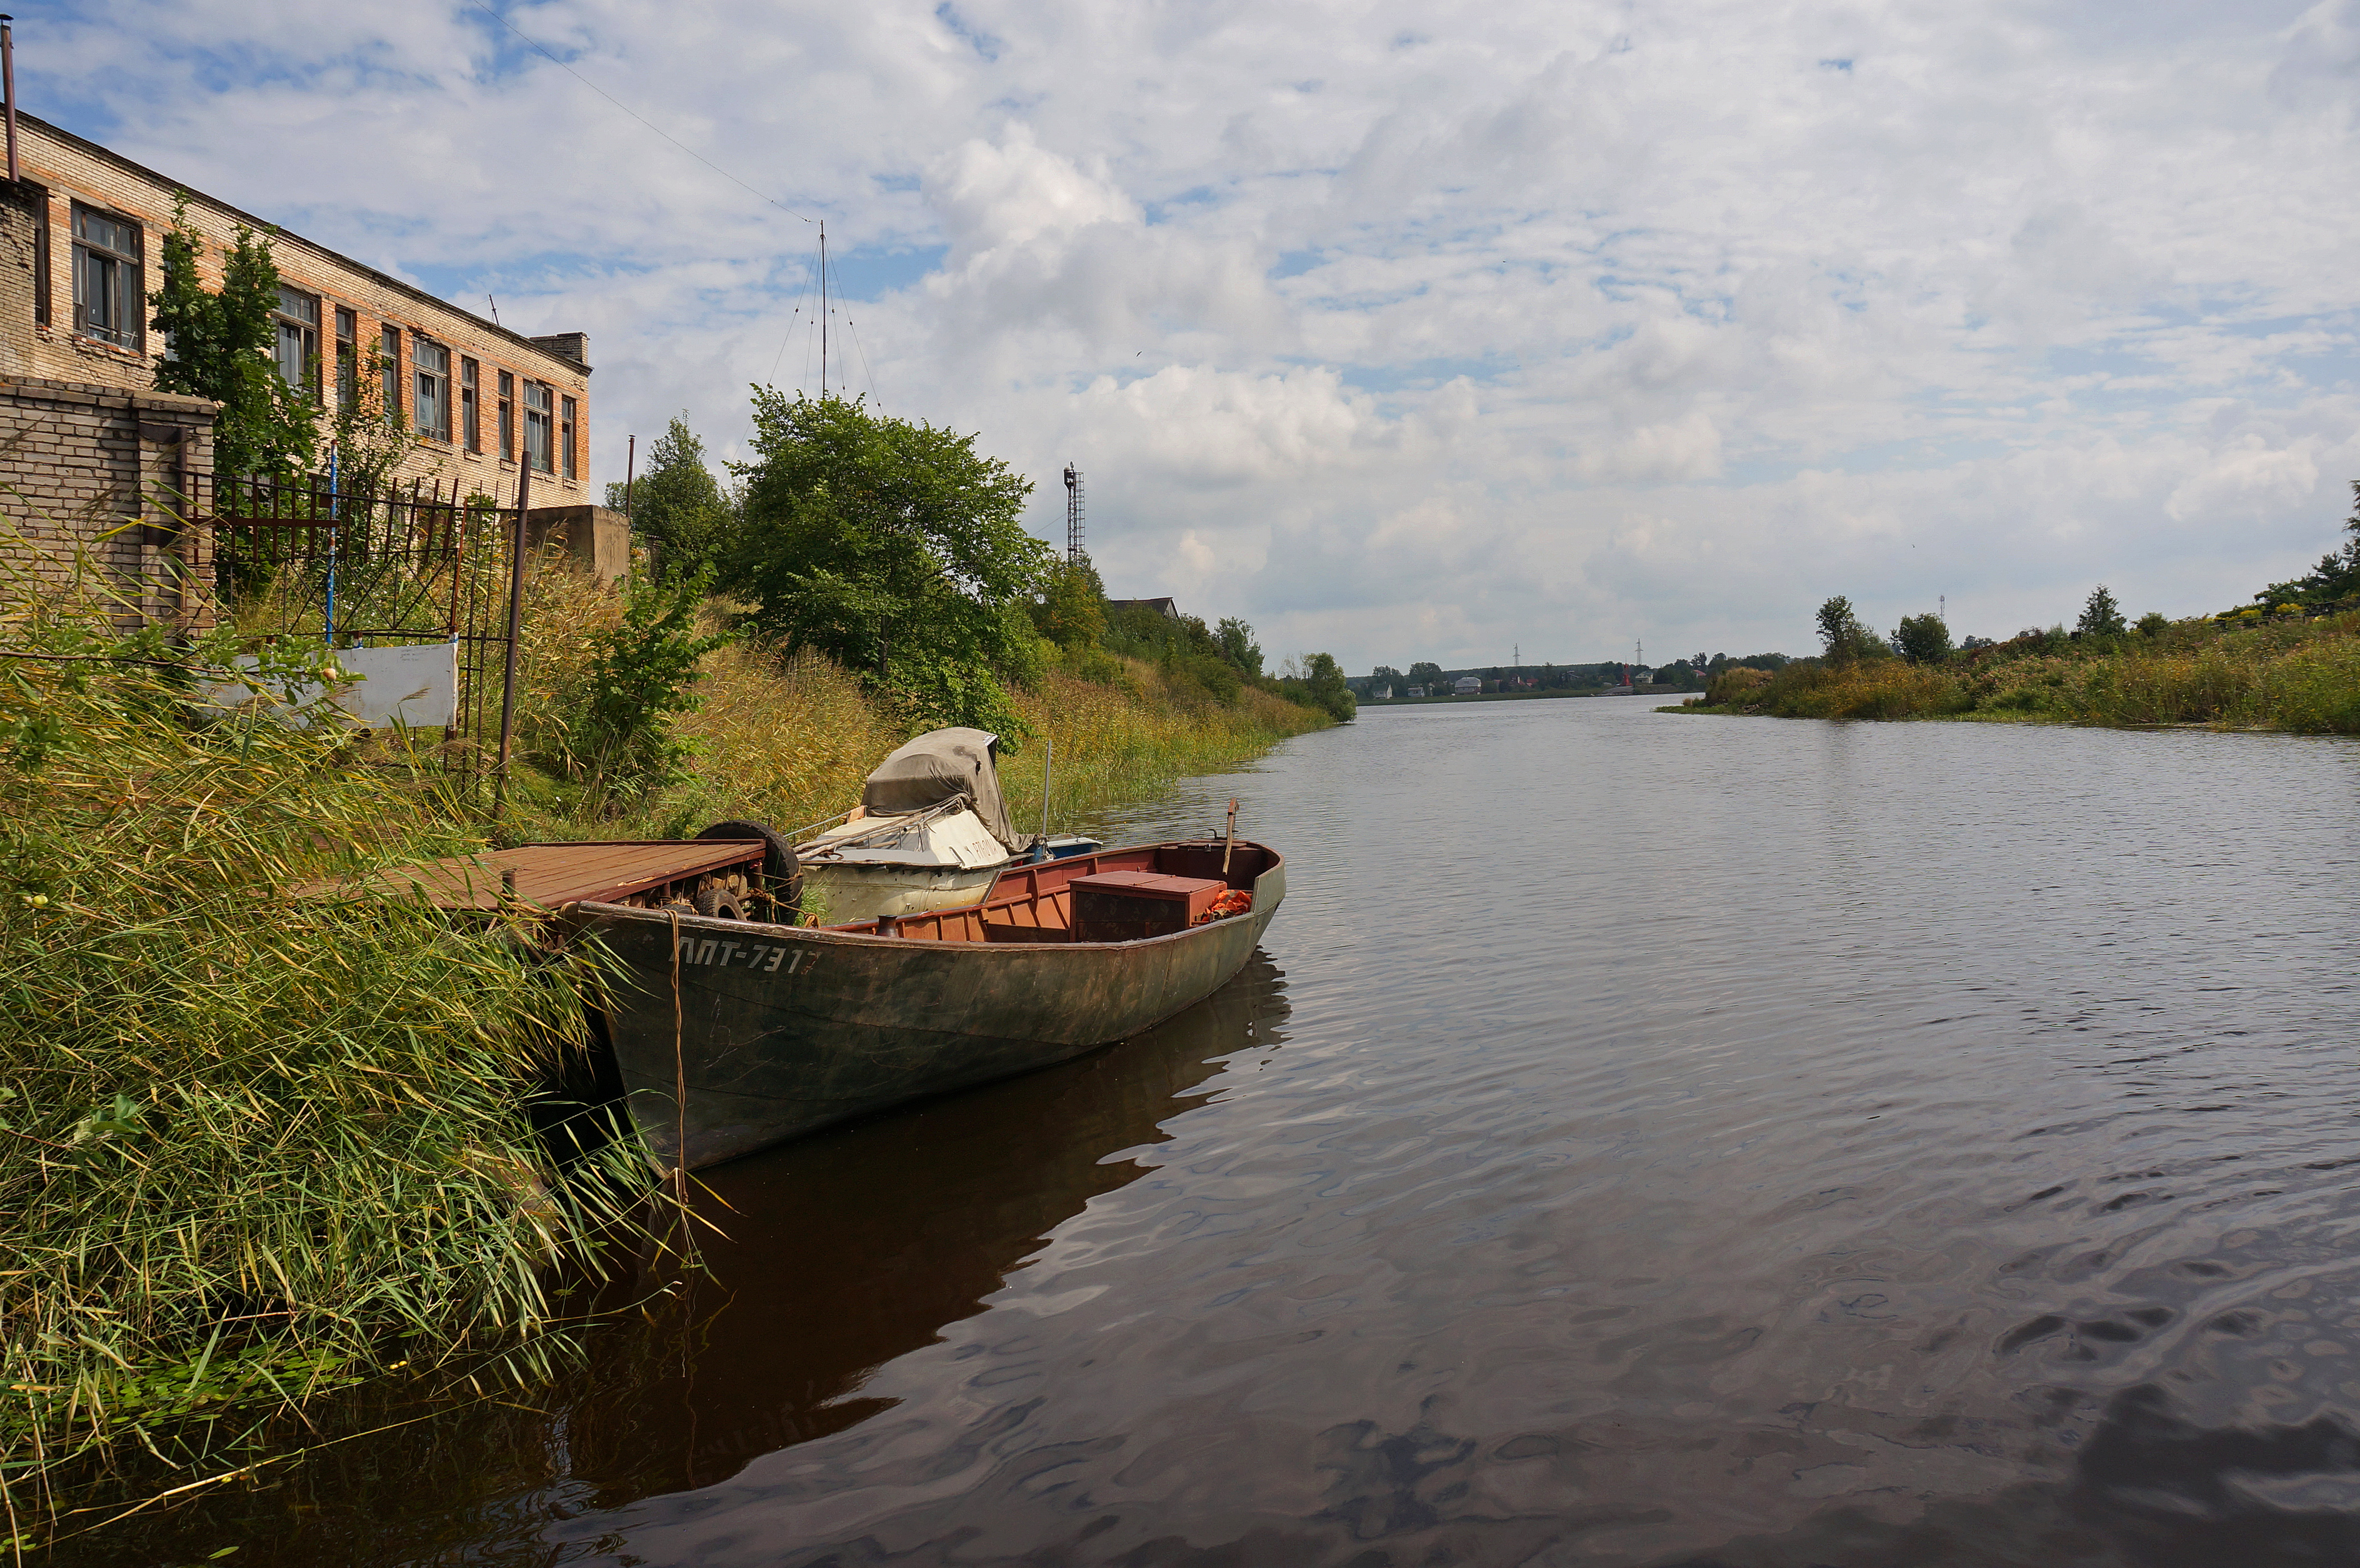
x=823, y=311
x=1073, y=550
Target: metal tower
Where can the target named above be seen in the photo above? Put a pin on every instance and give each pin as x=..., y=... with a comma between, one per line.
x=1073, y=550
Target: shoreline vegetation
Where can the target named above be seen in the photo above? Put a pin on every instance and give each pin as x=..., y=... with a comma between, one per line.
x=258, y=1146
x=2288, y=663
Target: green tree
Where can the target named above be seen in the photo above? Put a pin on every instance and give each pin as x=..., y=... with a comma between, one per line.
x=1426, y=674
x=2101, y=616
x=1922, y=639
x=678, y=506
x=1071, y=610
x=2155, y=623
x=1238, y=645
x=896, y=548
x=2335, y=578
x=642, y=673
x=1323, y=679
x=219, y=345
x=1843, y=637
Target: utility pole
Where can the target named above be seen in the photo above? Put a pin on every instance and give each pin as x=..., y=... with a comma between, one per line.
x=1073, y=550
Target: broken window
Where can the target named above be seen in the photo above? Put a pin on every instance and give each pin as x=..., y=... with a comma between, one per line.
x=109, y=287
x=432, y=411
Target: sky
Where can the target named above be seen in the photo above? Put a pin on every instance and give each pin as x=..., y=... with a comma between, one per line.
x=1403, y=332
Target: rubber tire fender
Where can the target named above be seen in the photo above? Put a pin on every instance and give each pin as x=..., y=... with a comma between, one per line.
x=781, y=872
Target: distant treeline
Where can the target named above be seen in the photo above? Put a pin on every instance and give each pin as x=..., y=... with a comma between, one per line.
x=1684, y=674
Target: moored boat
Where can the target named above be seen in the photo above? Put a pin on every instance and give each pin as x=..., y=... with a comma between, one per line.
x=931, y=832
x=730, y=1036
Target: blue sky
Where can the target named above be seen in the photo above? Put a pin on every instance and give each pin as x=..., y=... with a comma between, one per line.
x=1404, y=334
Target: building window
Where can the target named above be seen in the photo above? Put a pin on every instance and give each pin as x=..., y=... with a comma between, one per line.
x=431, y=361
x=508, y=417
x=389, y=375
x=537, y=433
x=41, y=263
x=298, y=321
x=565, y=422
x=109, y=285
x=348, y=359
x=471, y=424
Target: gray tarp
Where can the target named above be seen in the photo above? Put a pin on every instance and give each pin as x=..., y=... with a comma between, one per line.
x=937, y=766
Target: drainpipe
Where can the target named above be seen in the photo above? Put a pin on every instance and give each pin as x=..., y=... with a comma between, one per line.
x=8, y=87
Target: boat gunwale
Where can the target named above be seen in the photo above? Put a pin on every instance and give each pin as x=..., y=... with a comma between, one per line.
x=835, y=935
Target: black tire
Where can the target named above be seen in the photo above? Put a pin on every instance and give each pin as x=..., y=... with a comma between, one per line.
x=718, y=904
x=782, y=875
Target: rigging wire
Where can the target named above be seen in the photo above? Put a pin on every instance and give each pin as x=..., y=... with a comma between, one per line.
x=788, y=336
x=855, y=330
x=634, y=113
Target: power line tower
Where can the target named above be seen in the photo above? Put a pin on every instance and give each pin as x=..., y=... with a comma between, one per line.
x=1073, y=550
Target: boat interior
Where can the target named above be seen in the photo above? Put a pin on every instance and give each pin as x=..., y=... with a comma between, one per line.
x=1035, y=903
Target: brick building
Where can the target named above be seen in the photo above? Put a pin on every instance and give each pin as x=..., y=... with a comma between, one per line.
x=80, y=248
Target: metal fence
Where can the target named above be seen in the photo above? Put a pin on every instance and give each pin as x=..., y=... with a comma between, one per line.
x=412, y=563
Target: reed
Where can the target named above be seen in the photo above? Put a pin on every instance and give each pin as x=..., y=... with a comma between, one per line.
x=254, y=1142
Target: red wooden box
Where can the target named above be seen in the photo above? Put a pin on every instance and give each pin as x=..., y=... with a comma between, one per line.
x=1125, y=906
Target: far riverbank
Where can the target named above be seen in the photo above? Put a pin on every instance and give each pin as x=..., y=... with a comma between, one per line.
x=2284, y=673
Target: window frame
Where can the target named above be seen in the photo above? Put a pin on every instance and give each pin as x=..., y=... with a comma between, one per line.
x=430, y=387
x=471, y=405
x=541, y=415
x=568, y=424
x=389, y=373
x=308, y=332
x=348, y=358
x=136, y=260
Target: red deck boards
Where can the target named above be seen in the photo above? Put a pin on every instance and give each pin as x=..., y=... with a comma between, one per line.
x=550, y=874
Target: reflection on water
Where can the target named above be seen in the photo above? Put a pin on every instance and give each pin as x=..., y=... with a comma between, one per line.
x=824, y=1259
x=1696, y=1142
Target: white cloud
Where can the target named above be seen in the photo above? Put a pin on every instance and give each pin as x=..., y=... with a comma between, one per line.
x=1406, y=335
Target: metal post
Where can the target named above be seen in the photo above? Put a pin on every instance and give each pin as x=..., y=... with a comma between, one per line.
x=516, y=615
x=328, y=631
x=1048, y=765
x=630, y=472
x=8, y=86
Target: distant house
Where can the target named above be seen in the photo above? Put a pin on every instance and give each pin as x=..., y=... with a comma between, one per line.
x=1164, y=608
x=1467, y=686
x=1381, y=693
x=1416, y=692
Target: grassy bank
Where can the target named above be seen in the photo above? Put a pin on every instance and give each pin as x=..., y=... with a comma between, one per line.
x=2291, y=674
x=787, y=738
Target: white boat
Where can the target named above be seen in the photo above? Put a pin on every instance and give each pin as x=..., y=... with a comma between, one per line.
x=931, y=832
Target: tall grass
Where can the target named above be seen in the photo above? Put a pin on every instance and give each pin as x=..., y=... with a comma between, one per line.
x=253, y=1142
x=787, y=738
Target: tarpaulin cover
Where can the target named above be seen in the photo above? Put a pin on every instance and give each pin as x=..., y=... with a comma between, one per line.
x=938, y=766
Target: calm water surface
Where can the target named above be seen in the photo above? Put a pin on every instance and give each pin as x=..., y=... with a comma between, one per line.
x=1647, y=1139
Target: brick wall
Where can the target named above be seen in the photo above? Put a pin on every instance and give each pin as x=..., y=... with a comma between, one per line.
x=62, y=169
x=88, y=483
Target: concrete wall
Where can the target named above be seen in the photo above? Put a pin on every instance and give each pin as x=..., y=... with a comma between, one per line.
x=38, y=339
x=88, y=499
x=596, y=537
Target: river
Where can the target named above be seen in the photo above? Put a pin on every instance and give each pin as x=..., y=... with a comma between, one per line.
x=1645, y=1140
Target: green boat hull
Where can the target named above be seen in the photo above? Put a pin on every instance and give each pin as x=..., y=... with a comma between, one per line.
x=774, y=1031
